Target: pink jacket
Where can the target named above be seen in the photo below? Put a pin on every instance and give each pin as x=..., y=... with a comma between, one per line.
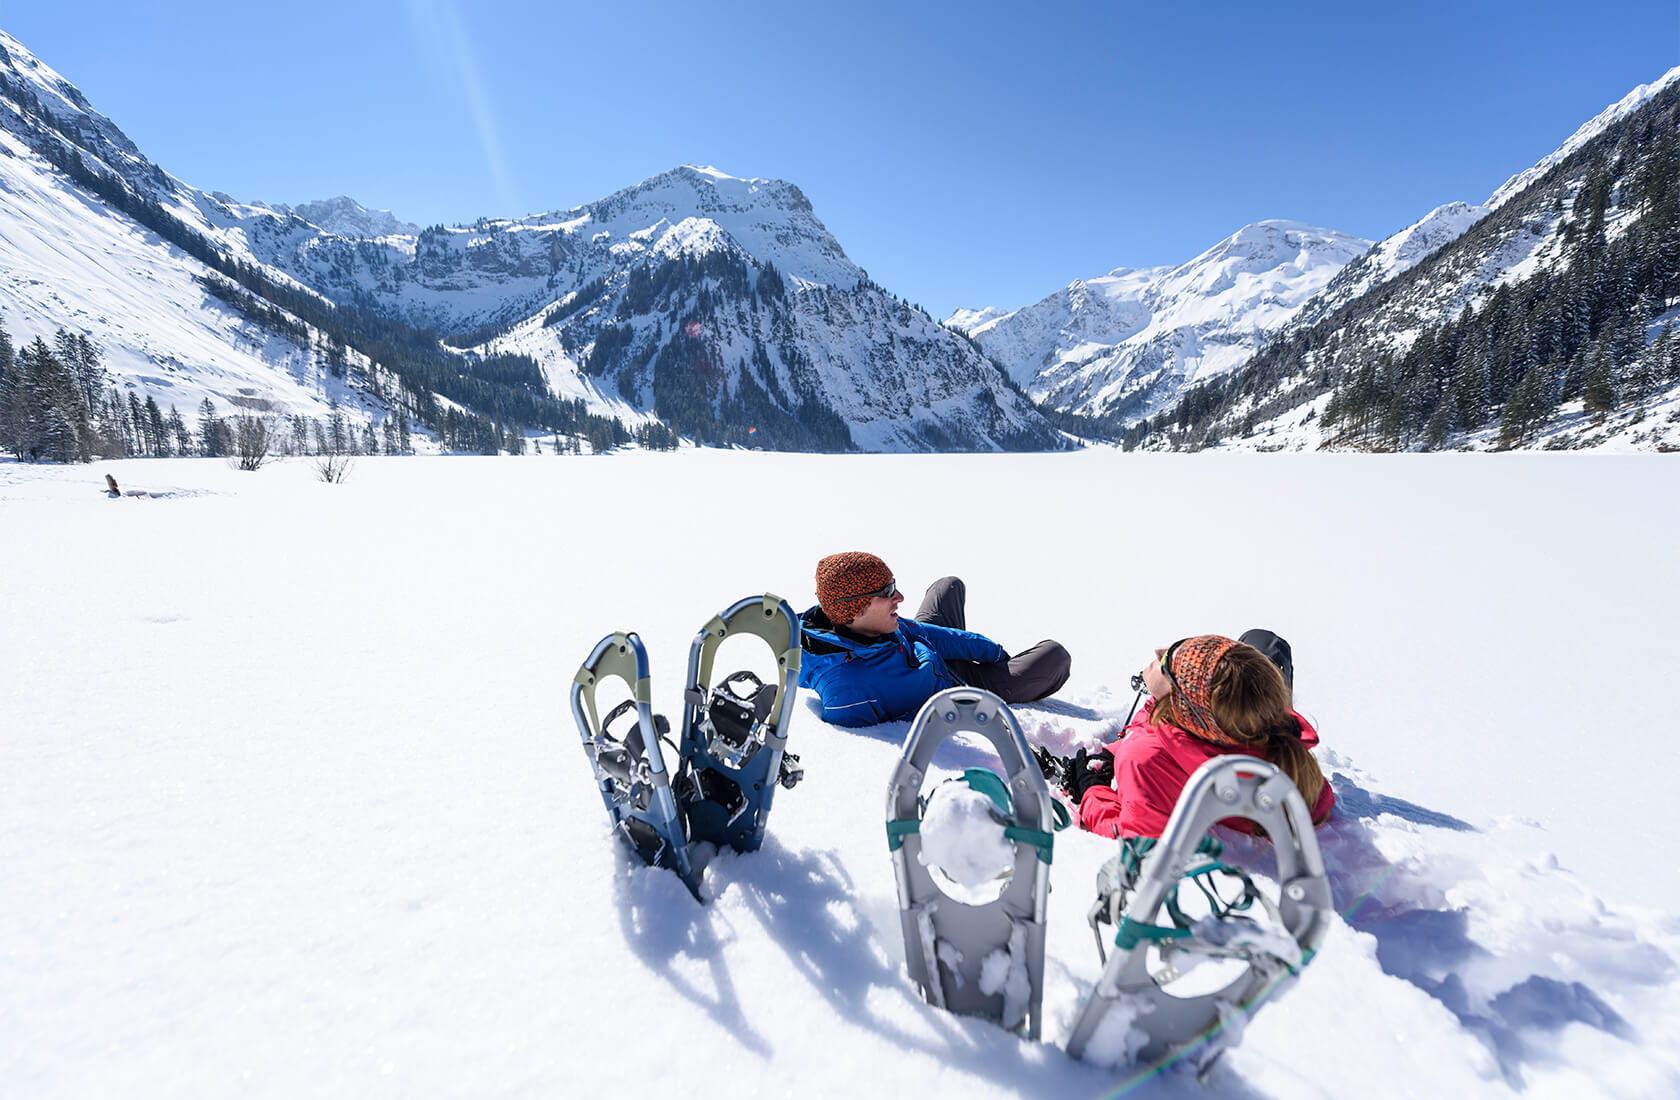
x=1152, y=763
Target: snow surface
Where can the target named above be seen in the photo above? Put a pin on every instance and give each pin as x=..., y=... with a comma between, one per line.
x=291, y=803
x=961, y=837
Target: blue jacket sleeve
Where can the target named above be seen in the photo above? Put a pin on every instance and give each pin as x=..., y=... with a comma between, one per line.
x=955, y=645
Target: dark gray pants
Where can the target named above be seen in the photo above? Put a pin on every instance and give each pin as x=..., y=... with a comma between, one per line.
x=1029, y=675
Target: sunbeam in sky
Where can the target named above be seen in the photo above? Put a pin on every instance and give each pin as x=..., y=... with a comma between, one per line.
x=450, y=52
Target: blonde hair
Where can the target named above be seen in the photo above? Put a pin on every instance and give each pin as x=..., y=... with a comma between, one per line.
x=1252, y=706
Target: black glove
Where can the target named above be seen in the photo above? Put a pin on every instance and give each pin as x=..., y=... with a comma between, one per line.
x=1087, y=770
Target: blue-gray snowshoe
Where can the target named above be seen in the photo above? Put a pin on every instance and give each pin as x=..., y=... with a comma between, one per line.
x=975, y=957
x=1148, y=1007
x=734, y=728
x=623, y=750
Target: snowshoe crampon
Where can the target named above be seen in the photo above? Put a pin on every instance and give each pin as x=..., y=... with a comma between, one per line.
x=623, y=750
x=734, y=730
x=974, y=948
x=1184, y=988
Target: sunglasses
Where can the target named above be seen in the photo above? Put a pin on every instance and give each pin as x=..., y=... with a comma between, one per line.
x=1166, y=659
x=883, y=593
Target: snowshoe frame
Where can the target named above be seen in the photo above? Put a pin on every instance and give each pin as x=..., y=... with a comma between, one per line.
x=1012, y=923
x=630, y=771
x=730, y=767
x=1224, y=787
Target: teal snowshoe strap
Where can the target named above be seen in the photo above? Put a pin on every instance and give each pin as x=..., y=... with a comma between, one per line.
x=896, y=831
x=1129, y=933
x=990, y=784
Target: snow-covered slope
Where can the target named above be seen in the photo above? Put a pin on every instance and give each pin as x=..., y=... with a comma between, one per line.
x=68, y=260
x=1590, y=129
x=272, y=826
x=1130, y=342
x=1445, y=224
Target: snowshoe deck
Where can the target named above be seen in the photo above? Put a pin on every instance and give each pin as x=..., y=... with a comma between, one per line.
x=1148, y=1018
x=734, y=745
x=623, y=750
x=975, y=959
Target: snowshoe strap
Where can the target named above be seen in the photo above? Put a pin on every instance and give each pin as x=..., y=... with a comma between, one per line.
x=990, y=784
x=898, y=830
x=631, y=740
x=1129, y=933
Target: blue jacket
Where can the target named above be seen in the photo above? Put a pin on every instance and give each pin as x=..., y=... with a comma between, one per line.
x=863, y=681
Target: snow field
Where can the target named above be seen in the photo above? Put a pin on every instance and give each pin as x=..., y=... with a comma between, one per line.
x=291, y=801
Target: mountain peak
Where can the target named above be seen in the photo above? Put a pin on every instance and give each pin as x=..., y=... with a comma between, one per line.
x=770, y=219
x=345, y=217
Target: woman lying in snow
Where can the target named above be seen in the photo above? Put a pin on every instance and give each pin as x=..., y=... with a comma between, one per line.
x=1209, y=696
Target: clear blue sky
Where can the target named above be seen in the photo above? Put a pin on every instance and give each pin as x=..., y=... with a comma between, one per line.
x=965, y=154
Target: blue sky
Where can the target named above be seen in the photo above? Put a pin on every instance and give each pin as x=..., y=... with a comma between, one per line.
x=965, y=154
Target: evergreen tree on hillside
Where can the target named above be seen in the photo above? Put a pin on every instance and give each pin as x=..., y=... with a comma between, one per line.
x=1599, y=396
x=211, y=432
x=178, y=431
x=42, y=411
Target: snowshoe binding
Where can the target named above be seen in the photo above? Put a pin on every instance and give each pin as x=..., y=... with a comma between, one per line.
x=974, y=947
x=1184, y=988
x=734, y=729
x=623, y=749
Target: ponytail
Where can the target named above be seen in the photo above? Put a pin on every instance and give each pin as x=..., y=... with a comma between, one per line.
x=1291, y=756
x=1253, y=707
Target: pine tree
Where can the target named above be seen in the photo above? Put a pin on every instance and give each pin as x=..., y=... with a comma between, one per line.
x=142, y=442
x=1599, y=394
x=178, y=431
x=1527, y=409
x=210, y=430
x=155, y=427
x=42, y=411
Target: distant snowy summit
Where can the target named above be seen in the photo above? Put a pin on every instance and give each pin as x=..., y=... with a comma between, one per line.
x=1128, y=342
x=344, y=216
x=495, y=272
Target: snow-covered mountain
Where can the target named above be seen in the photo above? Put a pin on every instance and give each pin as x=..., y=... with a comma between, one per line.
x=721, y=305
x=1445, y=224
x=1544, y=317
x=1131, y=341
x=71, y=260
x=342, y=216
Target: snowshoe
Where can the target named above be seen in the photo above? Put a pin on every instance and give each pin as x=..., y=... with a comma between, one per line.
x=1184, y=988
x=974, y=949
x=734, y=729
x=623, y=750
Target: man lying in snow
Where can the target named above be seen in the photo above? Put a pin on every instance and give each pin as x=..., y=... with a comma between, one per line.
x=1209, y=696
x=870, y=666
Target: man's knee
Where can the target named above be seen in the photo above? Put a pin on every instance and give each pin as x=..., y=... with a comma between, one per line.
x=948, y=586
x=1039, y=672
x=1057, y=662
x=945, y=603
